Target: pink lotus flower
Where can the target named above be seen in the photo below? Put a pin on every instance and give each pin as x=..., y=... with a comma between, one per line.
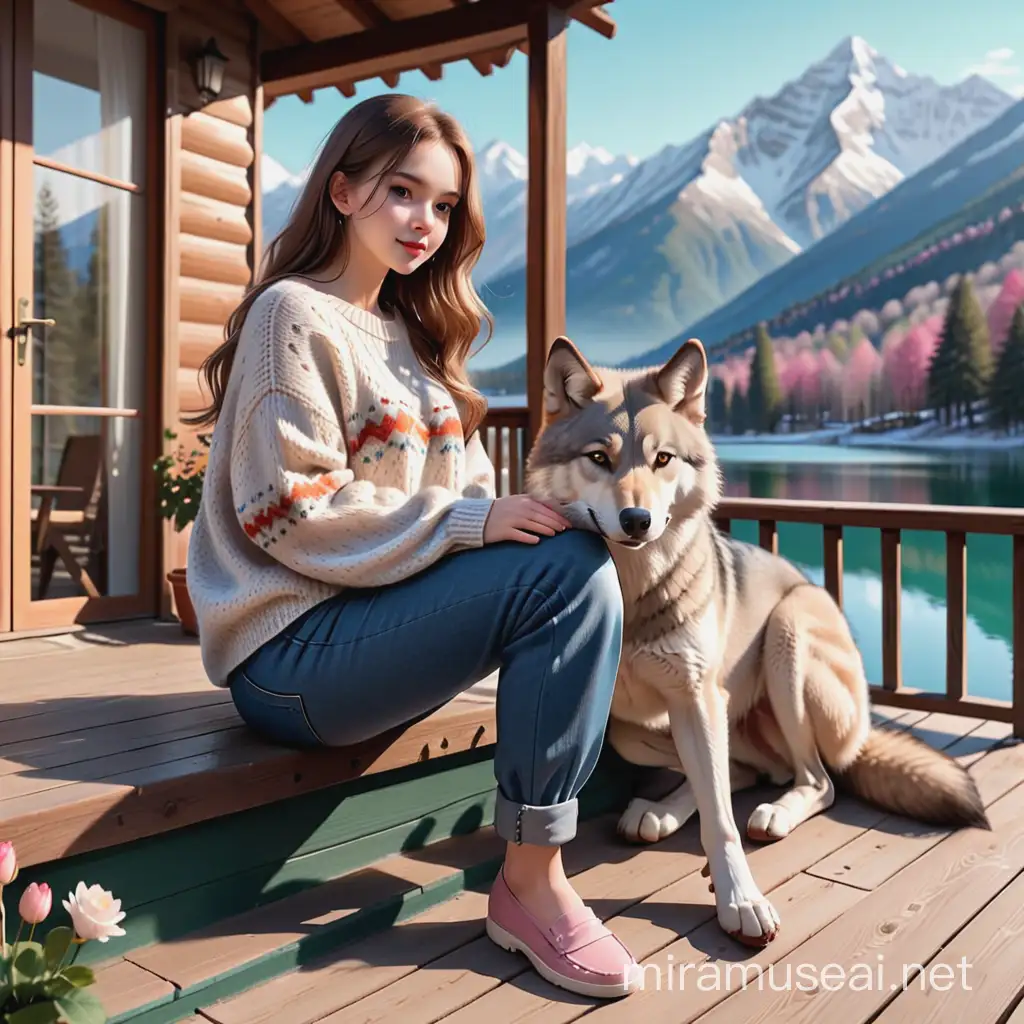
x=35, y=903
x=8, y=863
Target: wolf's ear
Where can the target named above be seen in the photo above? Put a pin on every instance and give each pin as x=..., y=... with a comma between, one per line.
x=569, y=380
x=683, y=381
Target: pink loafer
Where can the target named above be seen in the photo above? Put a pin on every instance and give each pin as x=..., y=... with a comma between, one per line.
x=577, y=952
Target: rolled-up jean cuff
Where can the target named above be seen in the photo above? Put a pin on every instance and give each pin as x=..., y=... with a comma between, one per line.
x=551, y=825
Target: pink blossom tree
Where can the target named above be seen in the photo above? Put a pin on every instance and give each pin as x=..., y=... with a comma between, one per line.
x=861, y=377
x=907, y=372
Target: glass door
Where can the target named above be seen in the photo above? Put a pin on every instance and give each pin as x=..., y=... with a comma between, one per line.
x=83, y=308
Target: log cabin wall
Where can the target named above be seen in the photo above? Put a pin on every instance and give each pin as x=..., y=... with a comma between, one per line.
x=212, y=205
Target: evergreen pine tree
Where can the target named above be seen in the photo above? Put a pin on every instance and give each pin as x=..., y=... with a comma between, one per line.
x=764, y=396
x=1006, y=390
x=962, y=364
x=54, y=369
x=738, y=412
x=718, y=405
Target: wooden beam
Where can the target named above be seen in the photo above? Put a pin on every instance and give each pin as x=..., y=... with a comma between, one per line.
x=589, y=13
x=546, y=188
x=347, y=89
x=446, y=35
x=596, y=19
x=433, y=71
x=365, y=12
x=274, y=23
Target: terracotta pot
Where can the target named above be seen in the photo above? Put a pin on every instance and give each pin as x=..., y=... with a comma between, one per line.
x=183, y=602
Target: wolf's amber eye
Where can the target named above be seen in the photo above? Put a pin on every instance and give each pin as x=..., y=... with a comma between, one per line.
x=600, y=458
x=662, y=459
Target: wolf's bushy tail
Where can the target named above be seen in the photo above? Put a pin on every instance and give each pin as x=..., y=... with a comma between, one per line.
x=904, y=775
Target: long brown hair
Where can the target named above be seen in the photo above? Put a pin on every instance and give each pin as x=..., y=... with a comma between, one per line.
x=437, y=302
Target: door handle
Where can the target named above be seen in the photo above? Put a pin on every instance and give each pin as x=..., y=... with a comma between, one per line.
x=24, y=326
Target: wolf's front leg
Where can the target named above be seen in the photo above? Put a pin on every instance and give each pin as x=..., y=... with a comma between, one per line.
x=701, y=731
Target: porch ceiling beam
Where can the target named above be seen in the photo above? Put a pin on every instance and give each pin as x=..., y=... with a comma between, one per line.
x=365, y=12
x=398, y=46
x=274, y=23
x=546, y=189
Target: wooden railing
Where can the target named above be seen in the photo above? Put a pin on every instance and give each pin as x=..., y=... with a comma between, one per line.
x=505, y=437
x=892, y=519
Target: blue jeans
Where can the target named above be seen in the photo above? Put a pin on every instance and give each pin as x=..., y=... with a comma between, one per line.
x=548, y=616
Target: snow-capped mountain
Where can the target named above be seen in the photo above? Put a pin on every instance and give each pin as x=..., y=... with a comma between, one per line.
x=695, y=224
x=502, y=175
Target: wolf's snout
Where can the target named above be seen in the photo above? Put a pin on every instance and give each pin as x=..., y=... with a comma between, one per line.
x=635, y=522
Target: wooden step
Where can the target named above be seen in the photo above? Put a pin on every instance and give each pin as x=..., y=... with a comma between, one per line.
x=168, y=981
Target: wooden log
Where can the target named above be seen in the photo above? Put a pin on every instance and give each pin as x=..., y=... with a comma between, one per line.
x=206, y=177
x=207, y=302
x=196, y=342
x=217, y=139
x=211, y=218
x=210, y=260
x=192, y=393
x=234, y=110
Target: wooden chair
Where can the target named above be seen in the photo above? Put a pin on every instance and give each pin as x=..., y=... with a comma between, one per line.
x=72, y=509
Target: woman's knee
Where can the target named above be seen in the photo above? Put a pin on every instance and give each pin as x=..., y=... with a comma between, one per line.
x=586, y=569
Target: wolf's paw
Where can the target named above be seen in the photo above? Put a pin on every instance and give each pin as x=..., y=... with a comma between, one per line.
x=646, y=821
x=749, y=918
x=768, y=822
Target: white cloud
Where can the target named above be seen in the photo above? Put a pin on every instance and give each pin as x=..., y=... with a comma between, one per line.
x=996, y=65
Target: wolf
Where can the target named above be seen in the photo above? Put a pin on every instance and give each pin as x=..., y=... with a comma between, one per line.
x=734, y=665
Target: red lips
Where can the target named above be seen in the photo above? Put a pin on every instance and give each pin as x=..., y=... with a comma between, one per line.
x=414, y=246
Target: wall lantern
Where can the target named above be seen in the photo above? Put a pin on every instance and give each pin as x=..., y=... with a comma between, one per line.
x=209, y=71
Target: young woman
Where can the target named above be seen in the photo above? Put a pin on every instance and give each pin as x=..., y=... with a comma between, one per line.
x=350, y=566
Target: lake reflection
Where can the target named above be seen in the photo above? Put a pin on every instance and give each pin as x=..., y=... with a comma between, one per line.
x=831, y=473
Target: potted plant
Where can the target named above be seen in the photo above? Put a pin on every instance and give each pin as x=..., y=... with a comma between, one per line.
x=40, y=983
x=180, y=475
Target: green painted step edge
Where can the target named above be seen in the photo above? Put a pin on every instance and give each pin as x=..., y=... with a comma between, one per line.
x=294, y=954
x=174, y=916
x=173, y=862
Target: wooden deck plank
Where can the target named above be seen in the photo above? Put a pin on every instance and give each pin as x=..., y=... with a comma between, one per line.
x=121, y=986
x=977, y=976
x=672, y=989
x=896, y=841
x=68, y=749
x=905, y=921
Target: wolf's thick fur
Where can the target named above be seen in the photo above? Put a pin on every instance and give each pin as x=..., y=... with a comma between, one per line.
x=733, y=663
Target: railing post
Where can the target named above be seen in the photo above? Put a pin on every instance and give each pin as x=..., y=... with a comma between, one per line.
x=892, y=587
x=956, y=615
x=833, y=558
x=1018, y=636
x=768, y=535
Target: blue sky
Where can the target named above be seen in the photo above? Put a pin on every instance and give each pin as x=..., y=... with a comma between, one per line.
x=675, y=66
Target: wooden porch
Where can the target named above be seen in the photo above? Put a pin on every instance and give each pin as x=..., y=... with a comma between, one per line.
x=263, y=884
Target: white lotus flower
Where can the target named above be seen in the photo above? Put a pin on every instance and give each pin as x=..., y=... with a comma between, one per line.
x=94, y=912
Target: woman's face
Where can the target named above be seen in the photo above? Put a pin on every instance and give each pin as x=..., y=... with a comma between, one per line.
x=404, y=224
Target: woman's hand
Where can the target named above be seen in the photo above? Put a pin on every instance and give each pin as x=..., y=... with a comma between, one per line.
x=514, y=514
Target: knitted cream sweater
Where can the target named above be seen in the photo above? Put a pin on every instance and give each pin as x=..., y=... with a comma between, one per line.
x=335, y=463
